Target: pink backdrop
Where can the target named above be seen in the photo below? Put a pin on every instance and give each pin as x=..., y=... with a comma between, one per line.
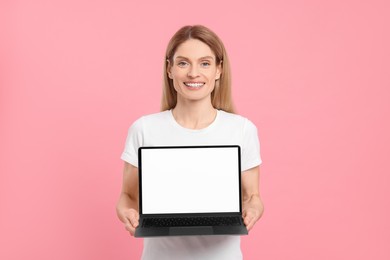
x=312, y=75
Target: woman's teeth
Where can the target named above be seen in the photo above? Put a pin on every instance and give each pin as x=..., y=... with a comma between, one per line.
x=193, y=85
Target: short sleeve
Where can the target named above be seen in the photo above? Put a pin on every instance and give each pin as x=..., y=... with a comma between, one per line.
x=134, y=140
x=250, y=149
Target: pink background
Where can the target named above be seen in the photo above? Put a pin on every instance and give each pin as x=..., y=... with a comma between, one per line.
x=312, y=75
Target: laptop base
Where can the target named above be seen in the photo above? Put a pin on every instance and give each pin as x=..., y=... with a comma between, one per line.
x=189, y=230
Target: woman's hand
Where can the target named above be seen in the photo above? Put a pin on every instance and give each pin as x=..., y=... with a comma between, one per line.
x=252, y=213
x=252, y=206
x=130, y=218
x=127, y=206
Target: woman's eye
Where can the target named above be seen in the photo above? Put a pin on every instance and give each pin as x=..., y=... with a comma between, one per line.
x=205, y=64
x=182, y=63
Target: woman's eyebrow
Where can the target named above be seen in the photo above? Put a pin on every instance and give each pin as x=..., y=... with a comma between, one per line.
x=207, y=57
x=202, y=58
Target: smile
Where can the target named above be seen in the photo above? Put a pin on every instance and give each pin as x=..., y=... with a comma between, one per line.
x=194, y=84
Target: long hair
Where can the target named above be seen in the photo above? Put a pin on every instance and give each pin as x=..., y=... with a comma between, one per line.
x=221, y=97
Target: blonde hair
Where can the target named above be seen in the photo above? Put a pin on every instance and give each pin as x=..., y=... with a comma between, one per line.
x=221, y=97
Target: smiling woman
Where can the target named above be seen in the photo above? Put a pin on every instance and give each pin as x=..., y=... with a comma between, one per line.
x=196, y=109
x=198, y=46
x=194, y=75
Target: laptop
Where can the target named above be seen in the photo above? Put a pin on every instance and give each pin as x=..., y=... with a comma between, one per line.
x=189, y=190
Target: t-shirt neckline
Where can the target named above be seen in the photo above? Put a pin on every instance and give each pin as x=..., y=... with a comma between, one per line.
x=210, y=126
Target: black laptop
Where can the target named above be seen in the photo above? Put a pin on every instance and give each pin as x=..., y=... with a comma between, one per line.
x=190, y=190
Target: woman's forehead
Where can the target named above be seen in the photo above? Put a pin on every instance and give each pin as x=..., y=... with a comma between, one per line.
x=194, y=49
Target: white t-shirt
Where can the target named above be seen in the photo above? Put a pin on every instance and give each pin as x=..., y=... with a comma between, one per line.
x=161, y=129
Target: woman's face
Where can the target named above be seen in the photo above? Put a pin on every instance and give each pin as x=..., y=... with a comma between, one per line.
x=194, y=70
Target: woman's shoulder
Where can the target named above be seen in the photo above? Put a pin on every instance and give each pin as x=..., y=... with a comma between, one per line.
x=156, y=116
x=236, y=118
x=232, y=120
x=153, y=118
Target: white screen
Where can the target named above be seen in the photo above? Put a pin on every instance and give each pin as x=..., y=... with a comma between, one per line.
x=190, y=180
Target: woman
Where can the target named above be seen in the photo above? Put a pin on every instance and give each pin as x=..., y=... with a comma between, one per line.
x=196, y=109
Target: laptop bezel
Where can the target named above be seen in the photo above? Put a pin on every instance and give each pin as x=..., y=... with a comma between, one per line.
x=187, y=147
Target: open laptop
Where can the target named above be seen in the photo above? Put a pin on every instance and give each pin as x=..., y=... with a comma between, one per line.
x=190, y=190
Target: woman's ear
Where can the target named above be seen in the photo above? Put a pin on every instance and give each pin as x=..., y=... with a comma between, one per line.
x=219, y=71
x=169, y=69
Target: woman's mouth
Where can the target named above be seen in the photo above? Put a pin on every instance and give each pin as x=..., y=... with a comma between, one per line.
x=194, y=85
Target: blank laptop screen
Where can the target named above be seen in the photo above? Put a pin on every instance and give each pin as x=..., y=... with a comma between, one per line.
x=190, y=180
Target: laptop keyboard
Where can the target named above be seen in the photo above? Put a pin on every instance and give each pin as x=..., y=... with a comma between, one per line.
x=191, y=221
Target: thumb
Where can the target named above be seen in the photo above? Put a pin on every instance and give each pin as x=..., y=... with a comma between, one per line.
x=133, y=217
x=247, y=216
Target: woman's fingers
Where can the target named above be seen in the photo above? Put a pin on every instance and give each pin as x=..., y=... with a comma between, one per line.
x=131, y=222
x=249, y=219
x=130, y=228
x=134, y=216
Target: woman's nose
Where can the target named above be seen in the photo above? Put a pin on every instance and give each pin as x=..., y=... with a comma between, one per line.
x=193, y=72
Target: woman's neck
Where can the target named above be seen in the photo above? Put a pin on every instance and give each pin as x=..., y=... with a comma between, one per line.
x=195, y=115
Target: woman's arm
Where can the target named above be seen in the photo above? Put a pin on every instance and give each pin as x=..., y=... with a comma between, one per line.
x=252, y=206
x=127, y=206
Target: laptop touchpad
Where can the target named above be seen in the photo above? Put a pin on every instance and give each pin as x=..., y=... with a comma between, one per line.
x=180, y=231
